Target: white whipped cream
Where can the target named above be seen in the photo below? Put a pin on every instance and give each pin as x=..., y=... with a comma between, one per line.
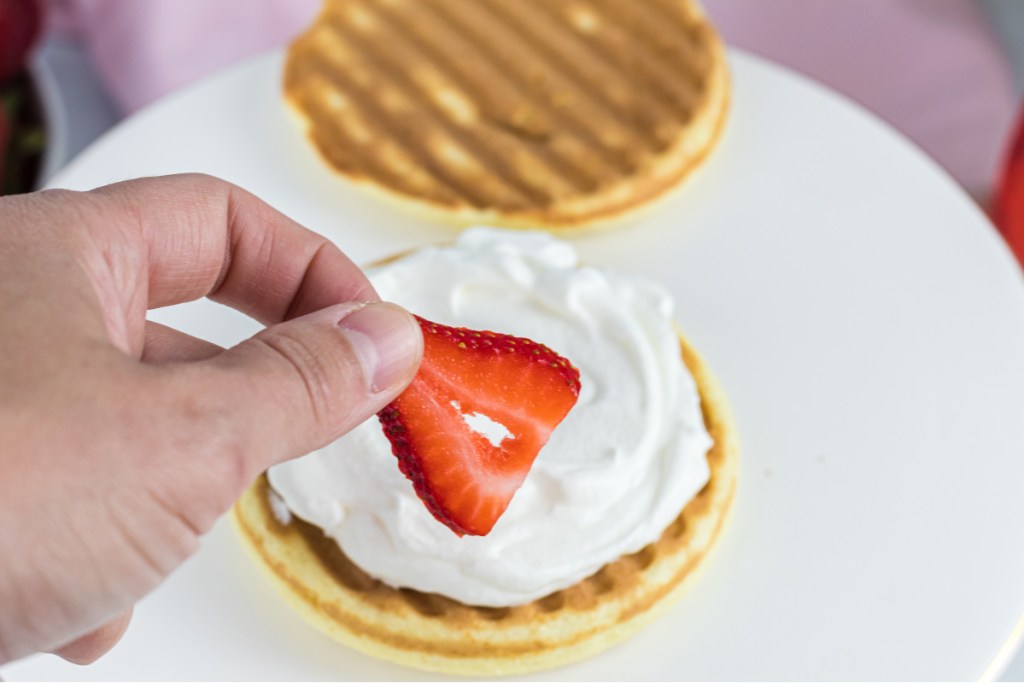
x=613, y=475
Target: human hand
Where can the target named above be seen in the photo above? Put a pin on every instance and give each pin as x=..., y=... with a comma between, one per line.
x=121, y=441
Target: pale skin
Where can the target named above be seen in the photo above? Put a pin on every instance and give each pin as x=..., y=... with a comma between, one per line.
x=122, y=441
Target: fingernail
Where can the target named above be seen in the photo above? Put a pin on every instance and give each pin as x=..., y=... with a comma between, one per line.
x=386, y=340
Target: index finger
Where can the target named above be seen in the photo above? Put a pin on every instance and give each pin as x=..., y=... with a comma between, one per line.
x=207, y=237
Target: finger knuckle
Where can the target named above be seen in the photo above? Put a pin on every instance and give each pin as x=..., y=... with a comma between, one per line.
x=309, y=370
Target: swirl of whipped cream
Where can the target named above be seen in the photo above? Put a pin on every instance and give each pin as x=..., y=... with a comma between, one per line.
x=613, y=475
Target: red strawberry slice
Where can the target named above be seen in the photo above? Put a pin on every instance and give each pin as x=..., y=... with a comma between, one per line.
x=468, y=428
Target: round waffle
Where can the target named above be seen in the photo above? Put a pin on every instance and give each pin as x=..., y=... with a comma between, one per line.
x=436, y=633
x=526, y=113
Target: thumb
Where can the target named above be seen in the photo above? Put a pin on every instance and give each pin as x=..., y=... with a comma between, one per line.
x=302, y=383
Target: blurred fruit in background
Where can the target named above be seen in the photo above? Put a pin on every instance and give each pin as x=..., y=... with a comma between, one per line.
x=20, y=22
x=21, y=122
x=1008, y=209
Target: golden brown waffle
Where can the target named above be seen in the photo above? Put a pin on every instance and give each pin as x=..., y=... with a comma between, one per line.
x=530, y=113
x=436, y=633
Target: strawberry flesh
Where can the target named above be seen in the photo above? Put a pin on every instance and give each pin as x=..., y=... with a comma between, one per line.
x=466, y=475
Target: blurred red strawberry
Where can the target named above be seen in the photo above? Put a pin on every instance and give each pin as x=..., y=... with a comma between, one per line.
x=5, y=140
x=1008, y=211
x=20, y=22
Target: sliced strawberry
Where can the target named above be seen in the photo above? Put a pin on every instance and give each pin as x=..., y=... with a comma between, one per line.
x=464, y=467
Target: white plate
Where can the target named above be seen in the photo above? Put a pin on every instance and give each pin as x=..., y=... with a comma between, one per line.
x=859, y=309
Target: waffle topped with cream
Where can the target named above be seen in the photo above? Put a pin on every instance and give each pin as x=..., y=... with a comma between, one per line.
x=619, y=508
